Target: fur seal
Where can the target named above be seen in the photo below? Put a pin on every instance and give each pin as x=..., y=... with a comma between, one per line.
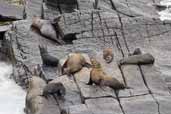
x=68, y=38
x=99, y=77
x=74, y=63
x=47, y=59
x=54, y=88
x=46, y=29
x=108, y=55
x=137, y=51
x=137, y=59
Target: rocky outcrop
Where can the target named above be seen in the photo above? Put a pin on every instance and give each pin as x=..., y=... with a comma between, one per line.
x=120, y=25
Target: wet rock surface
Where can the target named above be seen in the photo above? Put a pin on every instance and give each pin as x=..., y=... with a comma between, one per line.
x=119, y=24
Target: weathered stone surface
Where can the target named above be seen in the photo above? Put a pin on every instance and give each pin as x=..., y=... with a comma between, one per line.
x=72, y=96
x=154, y=80
x=7, y=9
x=49, y=73
x=103, y=106
x=164, y=103
x=79, y=109
x=134, y=80
x=33, y=8
x=139, y=105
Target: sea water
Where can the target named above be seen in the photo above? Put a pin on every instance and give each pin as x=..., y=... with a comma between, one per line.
x=12, y=96
x=165, y=14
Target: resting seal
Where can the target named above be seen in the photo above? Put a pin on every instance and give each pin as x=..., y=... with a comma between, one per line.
x=47, y=59
x=99, y=77
x=108, y=55
x=74, y=63
x=137, y=59
x=137, y=51
x=68, y=38
x=54, y=88
x=46, y=29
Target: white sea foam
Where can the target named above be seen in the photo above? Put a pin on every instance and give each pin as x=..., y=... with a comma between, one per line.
x=165, y=14
x=12, y=97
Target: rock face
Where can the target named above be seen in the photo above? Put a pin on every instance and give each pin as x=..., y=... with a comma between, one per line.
x=119, y=24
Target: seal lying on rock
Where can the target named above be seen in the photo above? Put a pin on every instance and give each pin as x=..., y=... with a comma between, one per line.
x=137, y=51
x=137, y=59
x=108, y=55
x=47, y=59
x=54, y=88
x=74, y=63
x=68, y=38
x=46, y=29
x=99, y=77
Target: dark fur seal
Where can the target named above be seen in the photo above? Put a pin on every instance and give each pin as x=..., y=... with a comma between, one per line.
x=138, y=59
x=74, y=63
x=47, y=59
x=99, y=77
x=108, y=55
x=137, y=51
x=54, y=88
x=68, y=38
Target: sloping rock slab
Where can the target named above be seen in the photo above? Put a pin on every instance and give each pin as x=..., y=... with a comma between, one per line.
x=154, y=80
x=139, y=105
x=7, y=9
x=72, y=96
x=103, y=106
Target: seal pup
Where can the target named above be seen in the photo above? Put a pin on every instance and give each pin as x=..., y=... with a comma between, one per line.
x=47, y=59
x=46, y=29
x=108, y=55
x=74, y=63
x=54, y=88
x=137, y=51
x=137, y=59
x=99, y=77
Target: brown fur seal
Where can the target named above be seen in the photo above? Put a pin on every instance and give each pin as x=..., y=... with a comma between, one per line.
x=74, y=63
x=46, y=29
x=137, y=59
x=54, y=88
x=108, y=55
x=99, y=77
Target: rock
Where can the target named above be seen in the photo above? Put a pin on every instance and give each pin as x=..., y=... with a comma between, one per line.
x=8, y=10
x=72, y=96
x=103, y=106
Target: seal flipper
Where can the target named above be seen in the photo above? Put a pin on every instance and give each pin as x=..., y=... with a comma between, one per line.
x=90, y=82
x=64, y=66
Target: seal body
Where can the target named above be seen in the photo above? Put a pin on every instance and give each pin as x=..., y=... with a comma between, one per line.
x=68, y=38
x=137, y=51
x=73, y=64
x=47, y=59
x=54, y=88
x=108, y=55
x=138, y=59
x=99, y=77
x=46, y=29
